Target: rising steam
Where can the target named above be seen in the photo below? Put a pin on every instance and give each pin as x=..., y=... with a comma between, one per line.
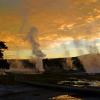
x=32, y=38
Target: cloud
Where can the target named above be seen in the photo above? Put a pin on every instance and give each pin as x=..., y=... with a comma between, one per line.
x=56, y=20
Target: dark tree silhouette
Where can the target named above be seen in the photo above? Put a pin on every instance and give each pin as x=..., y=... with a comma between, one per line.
x=53, y=64
x=28, y=64
x=77, y=63
x=2, y=48
x=3, y=63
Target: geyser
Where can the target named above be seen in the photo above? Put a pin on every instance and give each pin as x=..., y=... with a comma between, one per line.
x=33, y=39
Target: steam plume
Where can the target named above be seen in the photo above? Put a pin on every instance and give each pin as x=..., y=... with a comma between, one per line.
x=32, y=38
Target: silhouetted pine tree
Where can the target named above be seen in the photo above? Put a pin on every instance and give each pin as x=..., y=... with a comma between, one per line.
x=3, y=63
x=77, y=63
x=53, y=65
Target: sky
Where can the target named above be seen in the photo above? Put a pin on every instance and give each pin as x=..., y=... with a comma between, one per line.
x=61, y=28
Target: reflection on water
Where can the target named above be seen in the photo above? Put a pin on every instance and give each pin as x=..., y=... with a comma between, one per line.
x=65, y=97
x=27, y=92
x=80, y=83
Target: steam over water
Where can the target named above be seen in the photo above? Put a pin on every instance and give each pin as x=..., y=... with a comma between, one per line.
x=91, y=63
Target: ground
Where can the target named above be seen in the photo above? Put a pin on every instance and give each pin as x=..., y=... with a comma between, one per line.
x=12, y=89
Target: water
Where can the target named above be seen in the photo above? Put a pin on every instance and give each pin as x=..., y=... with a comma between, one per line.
x=26, y=92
